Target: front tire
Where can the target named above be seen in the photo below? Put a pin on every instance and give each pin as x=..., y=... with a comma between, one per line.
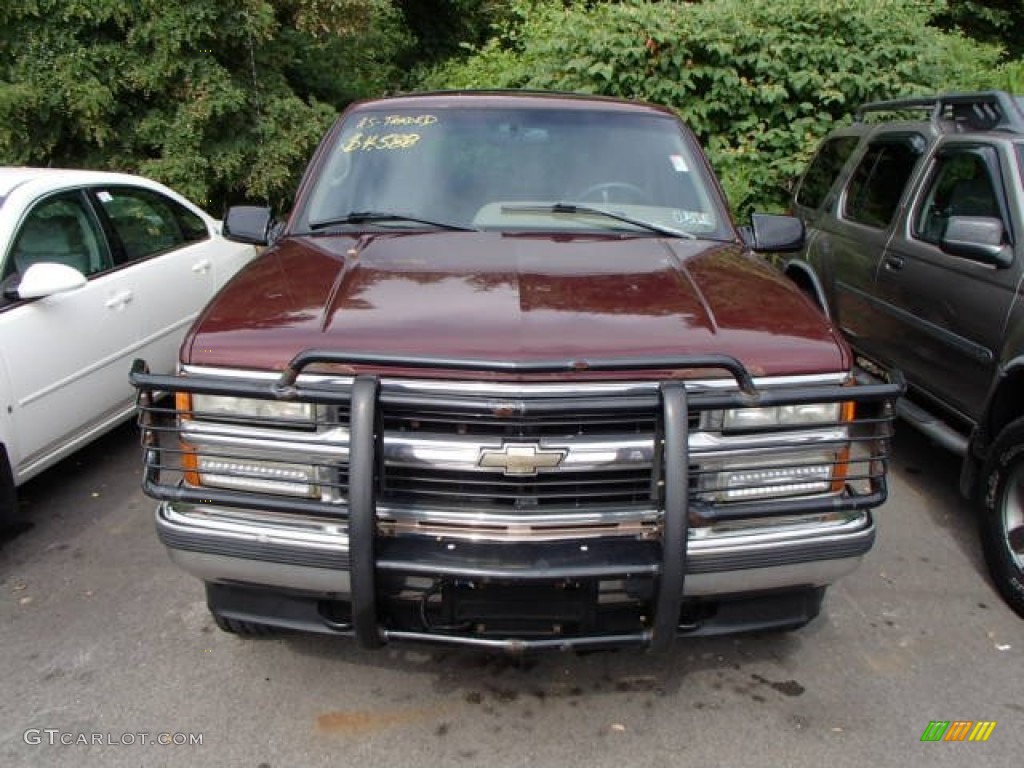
x=241, y=628
x=8, y=495
x=1002, y=514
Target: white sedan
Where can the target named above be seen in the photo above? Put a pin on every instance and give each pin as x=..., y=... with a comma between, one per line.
x=96, y=269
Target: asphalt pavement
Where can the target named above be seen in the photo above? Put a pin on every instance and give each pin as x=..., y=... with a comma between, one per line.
x=108, y=651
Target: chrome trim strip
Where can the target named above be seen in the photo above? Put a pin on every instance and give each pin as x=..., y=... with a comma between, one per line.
x=722, y=558
x=278, y=444
x=505, y=389
x=252, y=525
x=565, y=524
x=767, y=531
x=525, y=529
x=599, y=388
x=714, y=444
x=525, y=526
x=561, y=517
x=463, y=454
x=518, y=646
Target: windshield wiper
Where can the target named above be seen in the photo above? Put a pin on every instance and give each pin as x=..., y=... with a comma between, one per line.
x=375, y=217
x=589, y=210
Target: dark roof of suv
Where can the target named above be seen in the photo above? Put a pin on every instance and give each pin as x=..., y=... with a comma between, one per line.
x=970, y=111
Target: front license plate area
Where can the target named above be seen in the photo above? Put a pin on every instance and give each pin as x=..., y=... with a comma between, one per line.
x=521, y=610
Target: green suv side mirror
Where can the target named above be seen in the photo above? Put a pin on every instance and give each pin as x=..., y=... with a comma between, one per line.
x=979, y=238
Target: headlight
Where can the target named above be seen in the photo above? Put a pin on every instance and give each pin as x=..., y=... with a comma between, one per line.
x=776, y=452
x=803, y=473
x=774, y=417
x=214, y=454
x=256, y=475
x=211, y=406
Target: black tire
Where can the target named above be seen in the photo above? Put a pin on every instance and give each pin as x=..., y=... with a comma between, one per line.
x=241, y=628
x=8, y=495
x=1002, y=514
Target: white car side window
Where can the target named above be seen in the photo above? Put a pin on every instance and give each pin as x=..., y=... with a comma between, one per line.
x=59, y=230
x=148, y=223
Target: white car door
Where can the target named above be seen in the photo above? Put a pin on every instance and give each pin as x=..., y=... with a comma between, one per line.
x=178, y=261
x=66, y=355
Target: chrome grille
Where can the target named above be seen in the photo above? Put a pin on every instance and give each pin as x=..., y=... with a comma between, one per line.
x=487, y=423
x=475, y=427
x=490, y=490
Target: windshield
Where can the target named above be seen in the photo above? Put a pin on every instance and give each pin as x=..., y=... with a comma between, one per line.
x=514, y=170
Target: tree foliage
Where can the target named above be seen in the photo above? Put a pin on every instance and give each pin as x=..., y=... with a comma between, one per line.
x=759, y=81
x=220, y=100
x=226, y=101
x=443, y=27
x=998, y=21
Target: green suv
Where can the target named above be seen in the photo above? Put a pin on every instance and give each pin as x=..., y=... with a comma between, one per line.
x=915, y=249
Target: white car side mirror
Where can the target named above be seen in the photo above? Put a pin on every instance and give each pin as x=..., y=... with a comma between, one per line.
x=46, y=279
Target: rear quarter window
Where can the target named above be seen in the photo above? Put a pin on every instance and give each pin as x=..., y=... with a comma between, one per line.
x=823, y=170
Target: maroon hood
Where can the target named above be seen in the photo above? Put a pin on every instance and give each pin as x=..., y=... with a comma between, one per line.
x=513, y=297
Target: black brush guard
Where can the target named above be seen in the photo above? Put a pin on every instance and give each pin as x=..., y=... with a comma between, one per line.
x=371, y=556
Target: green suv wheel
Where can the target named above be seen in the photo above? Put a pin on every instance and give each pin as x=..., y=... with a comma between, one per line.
x=1002, y=518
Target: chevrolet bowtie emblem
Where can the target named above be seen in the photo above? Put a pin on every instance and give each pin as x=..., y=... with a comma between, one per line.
x=522, y=459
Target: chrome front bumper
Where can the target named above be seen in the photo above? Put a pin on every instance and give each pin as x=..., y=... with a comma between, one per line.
x=310, y=555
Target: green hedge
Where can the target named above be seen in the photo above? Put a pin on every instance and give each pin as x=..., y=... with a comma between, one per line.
x=759, y=81
x=224, y=101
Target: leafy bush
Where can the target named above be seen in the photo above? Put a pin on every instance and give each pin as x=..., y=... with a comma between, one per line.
x=759, y=81
x=1000, y=20
x=227, y=100
x=220, y=100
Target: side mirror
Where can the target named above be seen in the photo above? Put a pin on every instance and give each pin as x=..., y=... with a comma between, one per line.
x=248, y=224
x=773, y=233
x=979, y=238
x=45, y=279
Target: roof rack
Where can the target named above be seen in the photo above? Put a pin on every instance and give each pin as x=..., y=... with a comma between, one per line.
x=980, y=110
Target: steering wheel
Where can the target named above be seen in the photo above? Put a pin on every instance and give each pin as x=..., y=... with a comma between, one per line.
x=606, y=188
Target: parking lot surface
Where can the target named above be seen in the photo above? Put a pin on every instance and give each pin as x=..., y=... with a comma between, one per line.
x=108, y=651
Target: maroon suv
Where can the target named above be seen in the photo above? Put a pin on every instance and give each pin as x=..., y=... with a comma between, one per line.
x=508, y=376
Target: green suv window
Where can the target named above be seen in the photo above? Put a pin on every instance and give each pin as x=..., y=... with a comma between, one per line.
x=876, y=186
x=824, y=169
x=960, y=185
